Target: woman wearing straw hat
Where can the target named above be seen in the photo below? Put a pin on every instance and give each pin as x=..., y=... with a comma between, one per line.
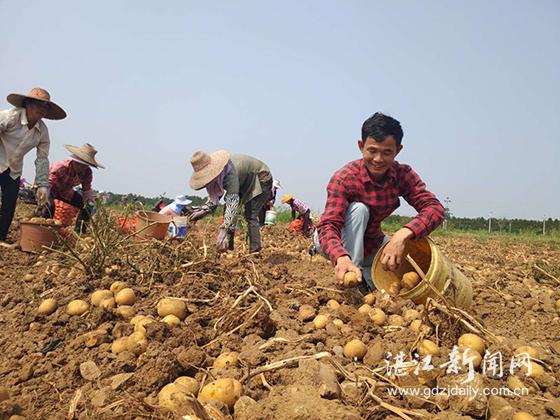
x=67, y=174
x=22, y=129
x=244, y=180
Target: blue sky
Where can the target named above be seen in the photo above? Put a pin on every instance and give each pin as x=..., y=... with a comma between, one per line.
x=475, y=85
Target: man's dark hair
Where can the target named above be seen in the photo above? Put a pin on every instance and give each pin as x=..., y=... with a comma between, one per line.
x=379, y=126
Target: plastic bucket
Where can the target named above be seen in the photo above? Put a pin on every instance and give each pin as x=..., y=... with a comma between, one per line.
x=439, y=271
x=35, y=236
x=270, y=217
x=150, y=224
x=178, y=229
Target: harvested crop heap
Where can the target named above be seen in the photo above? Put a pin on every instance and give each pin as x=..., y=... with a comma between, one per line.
x=163, y=329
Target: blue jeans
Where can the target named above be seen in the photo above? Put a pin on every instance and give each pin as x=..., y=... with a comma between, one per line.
x=353, y=231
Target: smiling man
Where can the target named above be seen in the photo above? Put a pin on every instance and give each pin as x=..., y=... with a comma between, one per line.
x=363, y=193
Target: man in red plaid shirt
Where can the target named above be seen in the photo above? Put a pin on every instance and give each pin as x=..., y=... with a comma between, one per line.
x=363, y=193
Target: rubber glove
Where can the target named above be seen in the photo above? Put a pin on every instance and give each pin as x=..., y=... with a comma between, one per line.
x=222, y=244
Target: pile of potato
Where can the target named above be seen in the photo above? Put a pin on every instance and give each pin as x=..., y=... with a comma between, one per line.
x=42, y=221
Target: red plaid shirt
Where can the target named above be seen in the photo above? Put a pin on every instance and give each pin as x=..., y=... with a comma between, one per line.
x=352, y=183
x=63, y=179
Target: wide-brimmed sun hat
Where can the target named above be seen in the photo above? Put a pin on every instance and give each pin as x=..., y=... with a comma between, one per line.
x=54, y=112
x=182, y=200
x=84, y=154
x=287, y=198
x=207, y=167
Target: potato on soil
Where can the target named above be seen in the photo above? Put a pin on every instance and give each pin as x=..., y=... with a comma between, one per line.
x=467, y=354
x=77, y=307
x=100, y=295
x=514, y=383
x=410, y=280
x=427, y=347
x=377, y=316
x=522, y=415
x=108, y=303
x=365, y=309
x=117, y=286
x=170, y=306
x=473, y=341
x=369, y=299
x=172, y=397
x=171, y=320
x=410, y=315
x=187, y=384
x=533, y=370
x=415, y=325
x=125, y=312
x=338, y=322
x=355, y=349
x=395, y=320
x=333, y=304
x=119, y=345
x=224, y=360
x=137, y=343
x=28, y=277
x=350, y=279
x=306, y=312
x=125, y=297
x=47, y=307
x=226, y=390
x=531, y=351
x=320, y=321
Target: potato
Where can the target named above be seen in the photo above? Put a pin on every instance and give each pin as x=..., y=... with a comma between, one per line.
x=467, y=353
x=355, y=349
x=117, y=286
x=517, y=385
x=536, y=370
x=531, y=351
x=226, y=390
x=108, y=304
x=338, y=322
x=77, y=307
x=473, y=341
x=377, y=316
x=415, y=325
x=125, y=297
x=141, y=324
x=172, y=397
x=523, y=415
x=394, y=288
x=333, y=305
x=369, y=299
x=170, y=306
x=138, y=318
x=137, y=343
x=395, y=320
x=427, y=347
x=365, y=309
x=410, y=315
x=48, y=306
x=100, y=295
x=119, y=345
x=558, y=305
x=171, y=320
x=28, y=277
x=187, y=384
x=350, y=279
x=125, y=312
x=320, y=321
x=410, y=280
x=306, y=312
x=224, y=360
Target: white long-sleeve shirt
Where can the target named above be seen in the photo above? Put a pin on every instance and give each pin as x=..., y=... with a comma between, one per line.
x=16, y=140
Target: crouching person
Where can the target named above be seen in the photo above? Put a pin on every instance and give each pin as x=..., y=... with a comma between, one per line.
x=362, y=194
x=66, y=174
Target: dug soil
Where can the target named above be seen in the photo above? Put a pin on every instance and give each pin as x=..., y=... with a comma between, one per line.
x=62, y=366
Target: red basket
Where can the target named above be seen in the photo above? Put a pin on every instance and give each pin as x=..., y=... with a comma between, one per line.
x=126, y=224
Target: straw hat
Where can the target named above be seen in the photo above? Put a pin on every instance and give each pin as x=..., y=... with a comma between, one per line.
x=207, y=167
x=287, y=198
x=182, y=200
x=54, y=113
x=85, y=154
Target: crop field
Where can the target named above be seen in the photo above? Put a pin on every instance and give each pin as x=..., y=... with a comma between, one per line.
x=242, y=334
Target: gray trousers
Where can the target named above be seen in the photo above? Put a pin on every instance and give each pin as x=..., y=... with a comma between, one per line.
x=353, y=231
